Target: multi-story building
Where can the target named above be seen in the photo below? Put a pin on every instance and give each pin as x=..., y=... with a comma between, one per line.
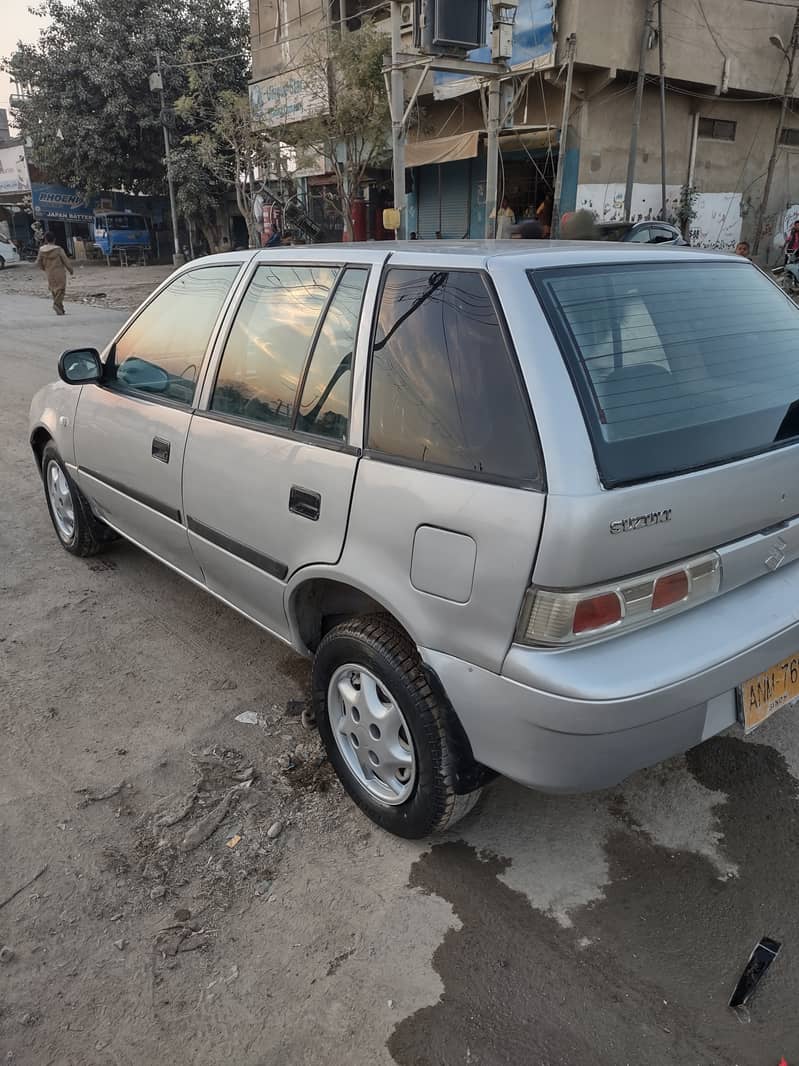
x=289, y=39
x=725, y=72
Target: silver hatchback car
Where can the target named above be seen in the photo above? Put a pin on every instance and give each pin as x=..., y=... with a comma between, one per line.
x=532, y=508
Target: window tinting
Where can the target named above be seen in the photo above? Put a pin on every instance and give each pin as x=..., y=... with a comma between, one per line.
x=641, y=235
x=269, y=341
x=325, y=402
x=163, y=348
x=679, y=365
x=444, y=390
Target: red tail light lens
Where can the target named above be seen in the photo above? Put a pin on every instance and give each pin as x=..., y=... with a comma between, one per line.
x=670, y=589
x=557, y=617
x=596, y=613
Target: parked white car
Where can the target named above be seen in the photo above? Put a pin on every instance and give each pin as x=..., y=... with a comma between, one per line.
x=9, y=256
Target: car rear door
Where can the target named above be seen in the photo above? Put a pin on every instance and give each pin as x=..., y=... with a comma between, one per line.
x=130, y=431
x=271, y=456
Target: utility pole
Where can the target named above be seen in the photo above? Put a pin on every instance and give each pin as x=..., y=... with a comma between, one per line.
x=492, y=158
x=503, y=14
x=646, y=37
x=790, y=55
x=571, y=43
x=177, y=257
x=662, y=70
x=397, y=110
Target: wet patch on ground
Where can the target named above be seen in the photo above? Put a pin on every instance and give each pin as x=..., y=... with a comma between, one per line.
x=644, y=973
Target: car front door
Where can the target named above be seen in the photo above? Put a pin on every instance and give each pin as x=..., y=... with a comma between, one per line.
x=270, y=463
x=130, y=431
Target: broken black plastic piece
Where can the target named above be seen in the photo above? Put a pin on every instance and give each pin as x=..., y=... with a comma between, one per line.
x=759, y=961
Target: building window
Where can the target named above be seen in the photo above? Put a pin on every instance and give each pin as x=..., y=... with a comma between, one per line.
x=717, y=129
x=790, y=138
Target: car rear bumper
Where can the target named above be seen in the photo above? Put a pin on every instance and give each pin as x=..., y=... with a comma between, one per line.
x=572, y=720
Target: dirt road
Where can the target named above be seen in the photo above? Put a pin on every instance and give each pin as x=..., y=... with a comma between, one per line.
x=604, y=929
x=93, y=283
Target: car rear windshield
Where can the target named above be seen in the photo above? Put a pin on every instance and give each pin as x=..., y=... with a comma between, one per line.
x=678, y=365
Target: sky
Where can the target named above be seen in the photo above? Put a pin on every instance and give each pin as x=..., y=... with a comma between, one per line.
x=17, y=25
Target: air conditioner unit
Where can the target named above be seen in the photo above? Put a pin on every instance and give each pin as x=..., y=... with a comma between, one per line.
x=406, y=16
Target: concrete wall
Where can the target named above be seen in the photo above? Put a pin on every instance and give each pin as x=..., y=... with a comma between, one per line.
x=729, y=176
x=277, y=31
x=609, y=33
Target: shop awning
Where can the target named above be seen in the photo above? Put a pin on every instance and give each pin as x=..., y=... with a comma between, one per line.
x=519, y=140
x=442, y=149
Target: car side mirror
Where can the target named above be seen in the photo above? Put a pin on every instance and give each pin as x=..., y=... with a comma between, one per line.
x=77, y=366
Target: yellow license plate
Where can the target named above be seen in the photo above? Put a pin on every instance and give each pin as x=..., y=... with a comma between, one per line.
x=764, y=694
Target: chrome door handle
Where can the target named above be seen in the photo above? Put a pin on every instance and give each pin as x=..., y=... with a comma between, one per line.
x=161, y=449
x=305, y=503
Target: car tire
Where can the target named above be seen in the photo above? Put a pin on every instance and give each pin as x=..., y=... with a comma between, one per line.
x=79, y=532
x=371, y=658
x=2, y=263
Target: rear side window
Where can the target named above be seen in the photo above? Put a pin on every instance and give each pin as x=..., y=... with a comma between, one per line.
x=445, y=392
x=325, y=402
x=678, y=365
x=266, y=350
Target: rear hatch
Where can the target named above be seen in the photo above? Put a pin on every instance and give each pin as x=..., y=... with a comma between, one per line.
x=687, y=373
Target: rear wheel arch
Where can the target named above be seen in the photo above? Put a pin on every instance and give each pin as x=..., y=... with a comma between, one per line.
x=318, y=605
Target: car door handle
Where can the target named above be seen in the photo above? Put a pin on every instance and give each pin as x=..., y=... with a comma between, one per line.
x=161, y=449
x=305, y=503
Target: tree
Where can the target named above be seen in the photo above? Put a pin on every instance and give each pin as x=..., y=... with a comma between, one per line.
x=231, y=152
x=352, y=136
x=88, y=108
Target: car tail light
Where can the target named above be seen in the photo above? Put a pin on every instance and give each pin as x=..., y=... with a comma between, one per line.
x=597, y=612
x=552, y=617
x=670, y=589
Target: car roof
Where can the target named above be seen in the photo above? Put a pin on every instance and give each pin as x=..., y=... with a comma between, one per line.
x=530, y=254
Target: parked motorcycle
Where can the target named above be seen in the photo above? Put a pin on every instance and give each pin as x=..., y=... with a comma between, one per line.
x=788, y=274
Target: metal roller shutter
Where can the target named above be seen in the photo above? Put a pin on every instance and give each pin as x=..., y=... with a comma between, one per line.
x=443, y=192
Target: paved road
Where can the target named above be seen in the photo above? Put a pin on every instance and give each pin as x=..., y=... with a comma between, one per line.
x=604, y=929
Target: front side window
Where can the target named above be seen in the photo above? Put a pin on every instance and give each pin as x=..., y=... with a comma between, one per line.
x=444, y=389
x=269, y=341
x=325, y=402
x=678, y=365
x=162, y=351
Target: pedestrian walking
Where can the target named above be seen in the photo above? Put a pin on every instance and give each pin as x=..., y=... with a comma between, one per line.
x=52, y=259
